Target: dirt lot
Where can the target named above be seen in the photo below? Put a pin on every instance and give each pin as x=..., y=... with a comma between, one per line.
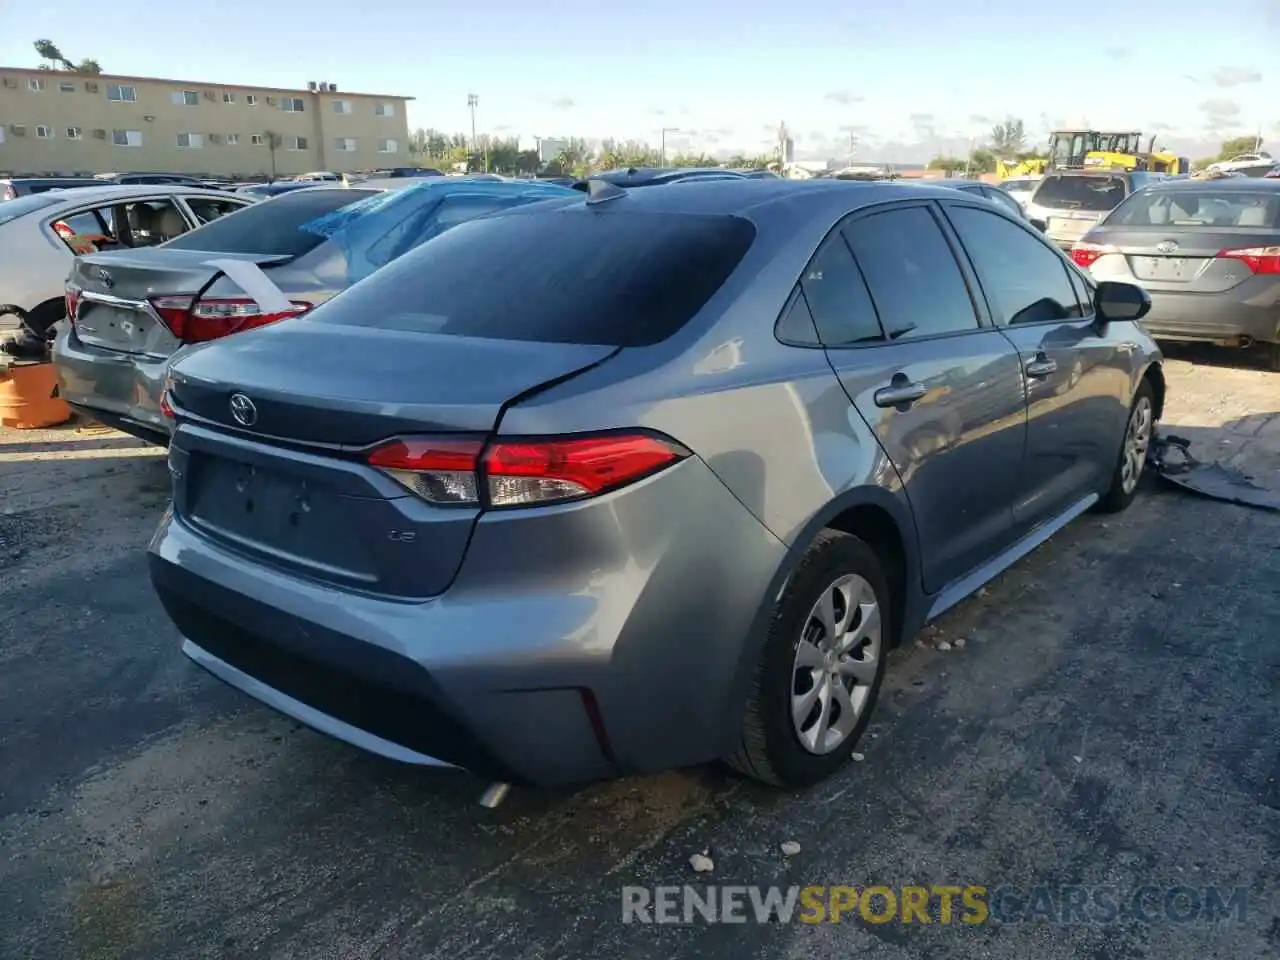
x=1110, y=721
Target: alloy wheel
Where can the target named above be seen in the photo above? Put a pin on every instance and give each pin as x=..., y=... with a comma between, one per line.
x=1137, y=439
x=836, y=662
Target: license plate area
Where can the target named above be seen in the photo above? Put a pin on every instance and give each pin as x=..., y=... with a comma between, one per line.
x=118, y=328
x=1069, y=226
x=1165, y=268
x=278, y=515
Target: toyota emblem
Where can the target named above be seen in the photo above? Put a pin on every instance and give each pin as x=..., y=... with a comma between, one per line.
x=107, y=280
x=243, y=410
x=1167, y=246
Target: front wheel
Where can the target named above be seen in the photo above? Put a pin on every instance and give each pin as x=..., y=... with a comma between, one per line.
x=1133, y=452
x=821, y=667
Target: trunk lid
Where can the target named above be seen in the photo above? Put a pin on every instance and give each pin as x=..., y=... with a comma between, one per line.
x=292, y=488
x=1184, y=260
x=113, y=292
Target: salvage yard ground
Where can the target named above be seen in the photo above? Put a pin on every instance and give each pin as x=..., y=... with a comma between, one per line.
x=1110, y=720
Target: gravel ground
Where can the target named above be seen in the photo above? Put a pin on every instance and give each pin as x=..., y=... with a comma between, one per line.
x=1109, y=721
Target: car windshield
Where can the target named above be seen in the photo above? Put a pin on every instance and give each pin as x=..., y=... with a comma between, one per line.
x=1080, y=193
x=13, y=209
x=273, y=227
x=619, y=280
x=1204, y=208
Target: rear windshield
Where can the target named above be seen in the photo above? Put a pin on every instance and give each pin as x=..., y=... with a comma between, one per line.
x=272, y=227
x=1080, y=193
x=617, y=279
x=13, y=209
x=1199, y=208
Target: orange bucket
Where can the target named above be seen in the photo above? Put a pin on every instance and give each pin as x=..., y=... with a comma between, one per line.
x=27, y=400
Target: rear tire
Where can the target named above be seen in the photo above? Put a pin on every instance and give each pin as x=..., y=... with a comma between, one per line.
x=1132, y=457
x=1273, y=357
x=821, y=667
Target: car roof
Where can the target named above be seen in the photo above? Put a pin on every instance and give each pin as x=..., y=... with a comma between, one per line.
x=947, y=182
x=745, y=196
x=1242, y=184
x=125, y=191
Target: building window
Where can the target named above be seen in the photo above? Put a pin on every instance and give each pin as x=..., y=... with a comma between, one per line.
x=35, y=84
x=66, y=86
x=126, y=138
x=297, y=143
x=250, y=100
x=342, y=106
x=388, y=146
x=228, y=98
x=292, y=105
x=185, y=98
x=384, y=109
x=233, y=139
x=121, y=93
x=44, y=132
x=75, y=133
x=256, y=139
x=192, y=141
x=345, y=144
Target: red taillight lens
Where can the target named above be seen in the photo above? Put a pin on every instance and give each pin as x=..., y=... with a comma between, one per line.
x=165, y=406
x=526, y=472
x=10, y=193
x=1264, y=261
x=198, y=321
x=71, y=300
x=63, y=230
x=1084, y=254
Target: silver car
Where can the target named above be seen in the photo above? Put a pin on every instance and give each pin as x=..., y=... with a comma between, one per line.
x=42, y=233
x=1208, y=253
x=1070, y=202
x=134, y=310
x=644, y=478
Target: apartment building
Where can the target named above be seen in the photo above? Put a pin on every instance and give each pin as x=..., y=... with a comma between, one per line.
x=54, y=122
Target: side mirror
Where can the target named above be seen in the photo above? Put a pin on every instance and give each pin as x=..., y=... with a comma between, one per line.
x=1040, y=225
x=1115, y=302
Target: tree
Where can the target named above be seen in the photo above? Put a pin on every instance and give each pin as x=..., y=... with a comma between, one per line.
x=947, y=164
x=1238, y=145
x=1008, y=138
x=52, y=54
x=981, y=160
x=272, y=140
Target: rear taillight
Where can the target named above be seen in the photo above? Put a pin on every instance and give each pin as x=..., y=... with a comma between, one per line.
x=64, y=230
x=165, y=406
x=198, y=321
x=525, y=472
x=71, y=300
x=10, y=193
x=1264, y=261
x=1084, y=254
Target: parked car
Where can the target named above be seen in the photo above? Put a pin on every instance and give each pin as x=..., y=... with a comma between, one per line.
x=263, y=191
x=151, y=178
x=1208, y=252
x=132, y=311
x=14, y=187
x=1070, y=202
x=666, y=491
x=1248, y=164
x=394, y=173
x=1020, y=188
x=1273, y=173
x=41, y=233
x=977, y=188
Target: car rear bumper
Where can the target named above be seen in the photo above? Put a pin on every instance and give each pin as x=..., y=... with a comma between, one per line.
x=549, y=659
x=122, y=390
x=1214, y=319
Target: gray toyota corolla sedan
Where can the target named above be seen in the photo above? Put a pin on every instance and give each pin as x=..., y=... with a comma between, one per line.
x=644, y=478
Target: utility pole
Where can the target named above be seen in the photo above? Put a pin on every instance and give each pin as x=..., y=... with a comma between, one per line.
x=853, y=146
x=662, y=147
x=473, y=101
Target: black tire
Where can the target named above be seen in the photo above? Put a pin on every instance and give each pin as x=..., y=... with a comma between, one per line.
x=770, y=749
x=1116, y=498
x=40, y=321
x=1273, y=356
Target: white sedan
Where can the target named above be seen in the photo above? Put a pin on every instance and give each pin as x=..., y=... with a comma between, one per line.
x=41, y=234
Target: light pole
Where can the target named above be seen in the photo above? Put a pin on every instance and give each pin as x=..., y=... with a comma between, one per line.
x=663, y=150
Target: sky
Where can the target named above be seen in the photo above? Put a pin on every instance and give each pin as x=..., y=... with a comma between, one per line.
x=908, y=81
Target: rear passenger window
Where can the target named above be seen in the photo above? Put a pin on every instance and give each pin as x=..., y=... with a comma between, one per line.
x=1024, y=280
x=915, y=282
x=838, y=299
x=796, y=324
x=1002, y=199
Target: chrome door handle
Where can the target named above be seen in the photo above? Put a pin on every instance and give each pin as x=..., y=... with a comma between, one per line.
x=900, y=393
x=1041, y=367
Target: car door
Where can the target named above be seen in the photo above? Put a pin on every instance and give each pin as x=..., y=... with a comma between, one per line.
x=1076, y=380
x=940, y=389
